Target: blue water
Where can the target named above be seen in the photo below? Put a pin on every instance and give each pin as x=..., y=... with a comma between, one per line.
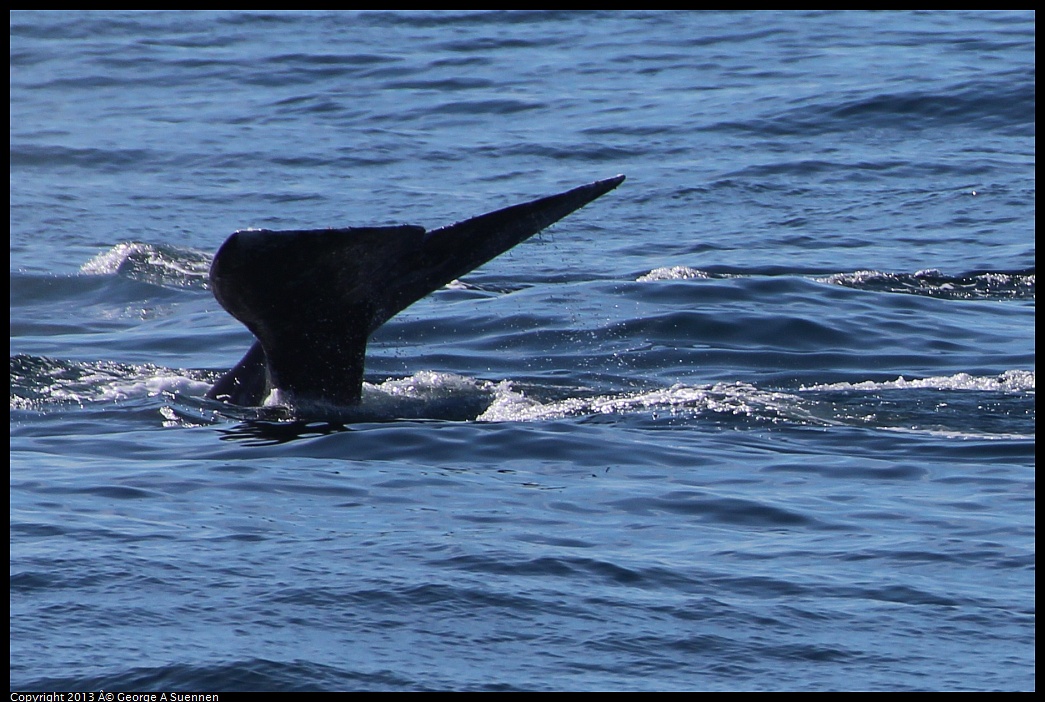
x=761, y=418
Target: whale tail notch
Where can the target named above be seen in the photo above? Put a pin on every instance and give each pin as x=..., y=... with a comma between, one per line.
x=312, y=298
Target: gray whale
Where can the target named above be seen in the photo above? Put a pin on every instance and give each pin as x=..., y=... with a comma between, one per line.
x=312, y=298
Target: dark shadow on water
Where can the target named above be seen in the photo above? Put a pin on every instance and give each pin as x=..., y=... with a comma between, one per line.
x=265, y=433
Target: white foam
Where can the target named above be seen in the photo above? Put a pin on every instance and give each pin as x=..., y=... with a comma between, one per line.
x=101, y=387
x=108, y=262
x=854, y=278
x=1009, y=381
x=425, y=385
x=182, y=262
x=672, y=273
x=743, y=399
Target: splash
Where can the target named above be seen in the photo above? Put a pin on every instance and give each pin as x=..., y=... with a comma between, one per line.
x=672, y=273
x=169, y=266
x=37, y=383
x=945, y=405
x=1009, y=381
x=932, y=283
x=719, y=399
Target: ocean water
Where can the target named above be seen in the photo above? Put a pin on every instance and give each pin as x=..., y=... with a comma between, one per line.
x=761, y=418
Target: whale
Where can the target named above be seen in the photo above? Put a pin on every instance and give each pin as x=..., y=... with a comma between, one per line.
x=313, y=297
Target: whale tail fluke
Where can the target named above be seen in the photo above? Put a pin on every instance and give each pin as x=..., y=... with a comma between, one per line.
x=313, y=297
